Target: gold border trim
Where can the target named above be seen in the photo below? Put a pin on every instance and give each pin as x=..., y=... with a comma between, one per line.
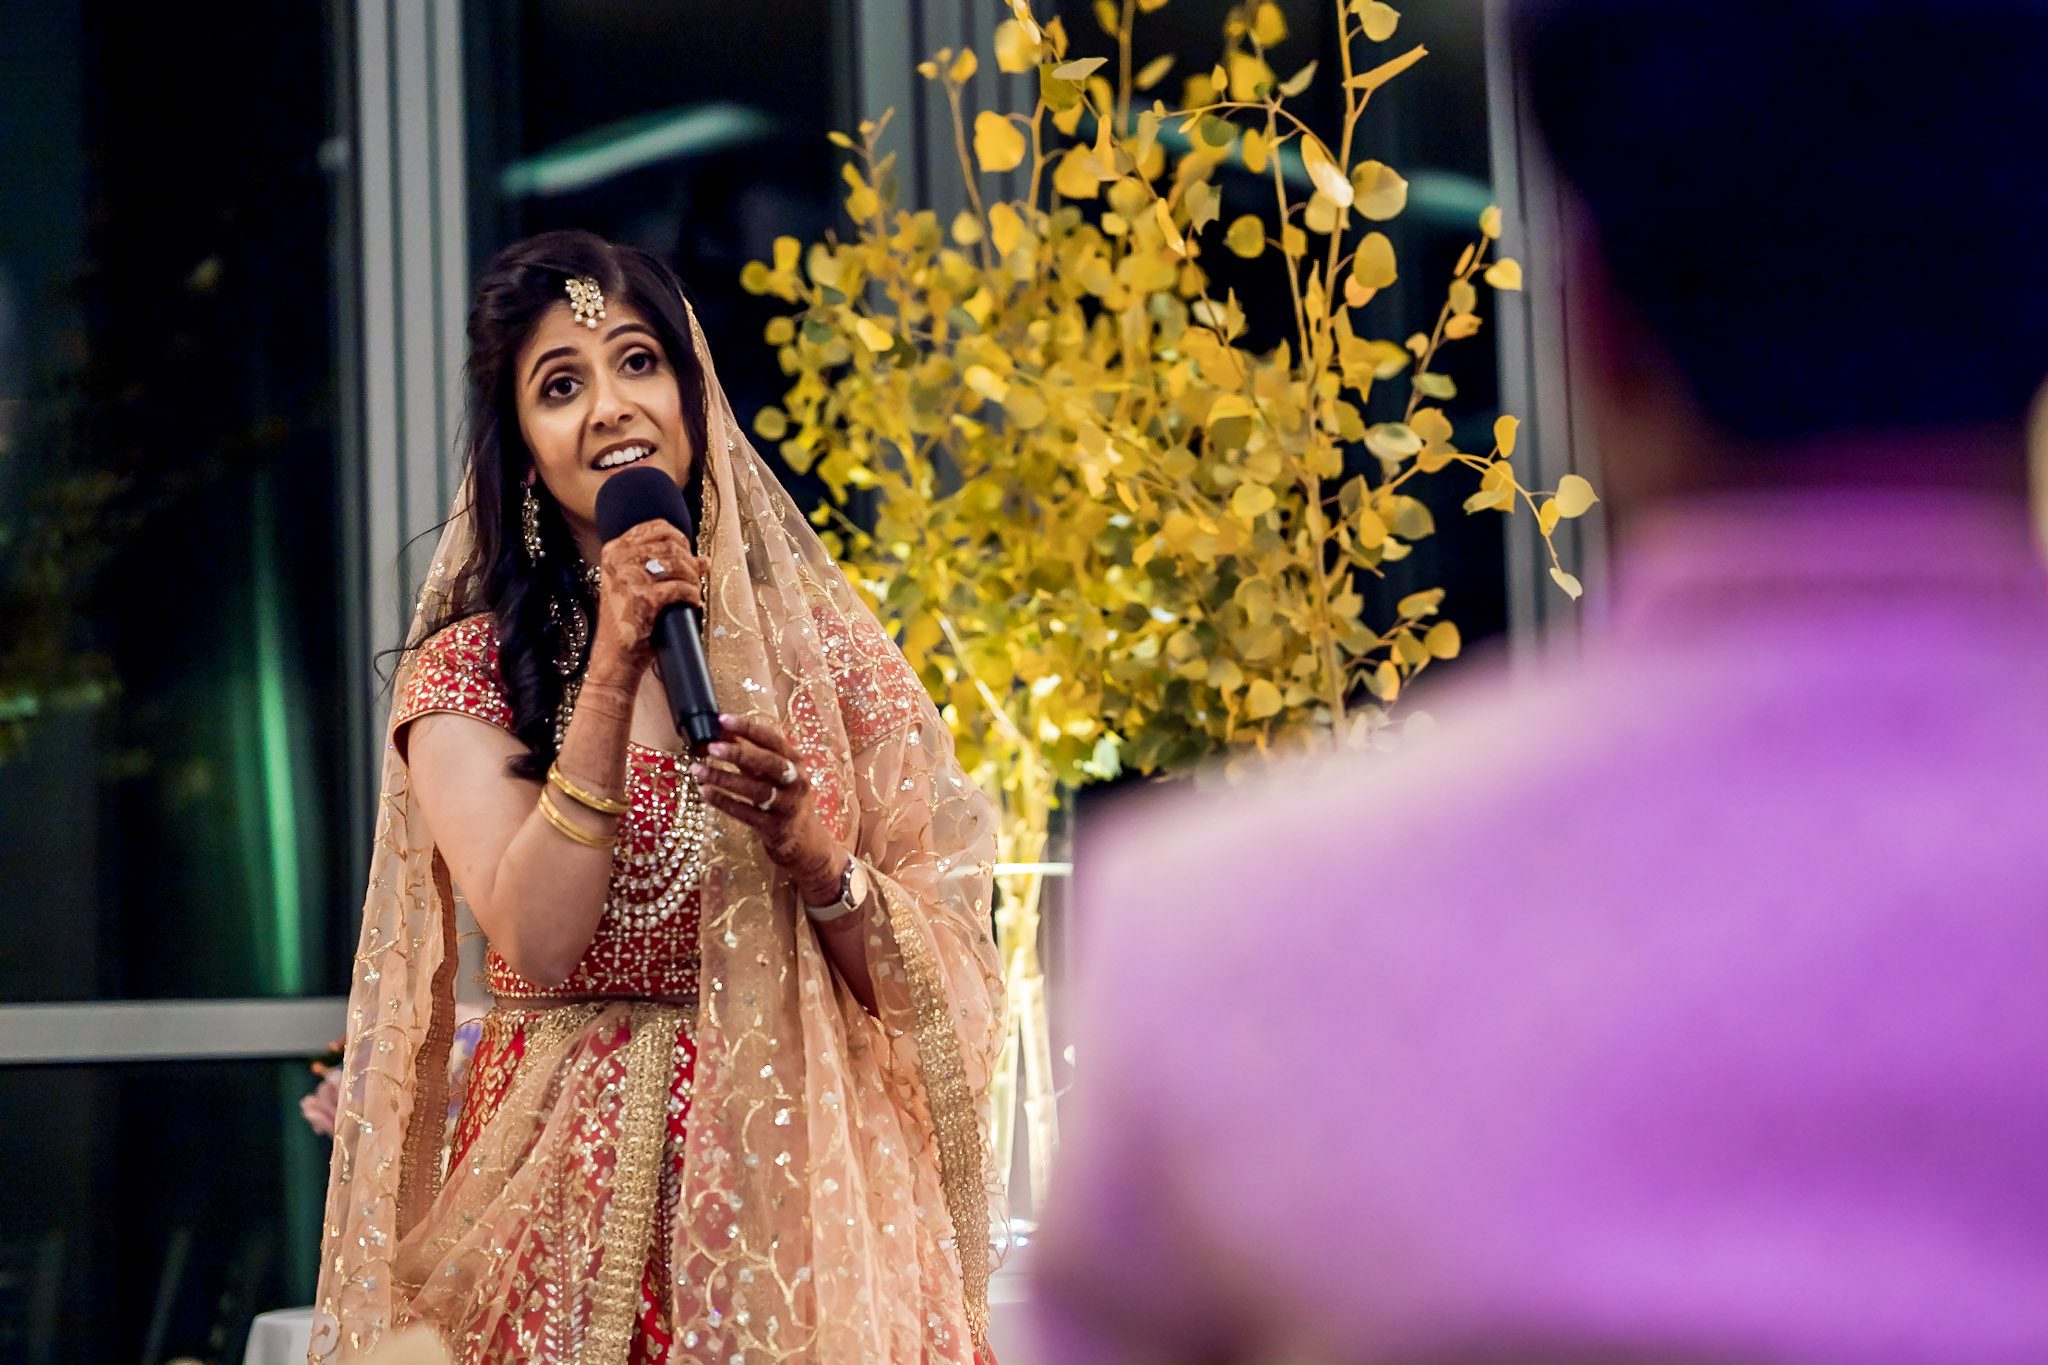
x=629, y=1213
x=963, y=1149
x=426, y=1127
x=551, y=1035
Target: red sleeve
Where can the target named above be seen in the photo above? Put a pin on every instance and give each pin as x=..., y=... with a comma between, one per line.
x=456, y=670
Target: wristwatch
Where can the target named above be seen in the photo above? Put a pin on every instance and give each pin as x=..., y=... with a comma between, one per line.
x=853, y=893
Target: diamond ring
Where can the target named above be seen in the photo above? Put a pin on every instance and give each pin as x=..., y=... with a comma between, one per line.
x=789, y=774
x=767, y=802
x=655, y=567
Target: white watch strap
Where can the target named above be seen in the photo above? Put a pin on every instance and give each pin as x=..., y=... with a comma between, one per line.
x=825, y=914
x=853, y=889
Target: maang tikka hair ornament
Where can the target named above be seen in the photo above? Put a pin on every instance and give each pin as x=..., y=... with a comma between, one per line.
x=586, y=300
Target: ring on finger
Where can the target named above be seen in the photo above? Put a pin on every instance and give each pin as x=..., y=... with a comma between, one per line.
x=655, y=568
x=789, y=773
x=766, y=803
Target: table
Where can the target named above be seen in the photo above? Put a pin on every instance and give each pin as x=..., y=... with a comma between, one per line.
x=279, y=1337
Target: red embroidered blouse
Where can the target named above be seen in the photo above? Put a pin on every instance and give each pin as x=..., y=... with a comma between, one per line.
x=457, y=671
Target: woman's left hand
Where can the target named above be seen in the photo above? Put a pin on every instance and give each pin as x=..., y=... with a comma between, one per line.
x=753, y=774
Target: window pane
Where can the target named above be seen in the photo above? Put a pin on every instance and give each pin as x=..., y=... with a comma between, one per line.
x=701, y=143
x=152, y=1210
x=172, y=730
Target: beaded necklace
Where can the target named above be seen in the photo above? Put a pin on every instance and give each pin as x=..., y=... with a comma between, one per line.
x=646, y=889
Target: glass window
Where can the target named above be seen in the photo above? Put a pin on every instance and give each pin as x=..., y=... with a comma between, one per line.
x=677, y=128
x=153, y=1210
x=172, y=747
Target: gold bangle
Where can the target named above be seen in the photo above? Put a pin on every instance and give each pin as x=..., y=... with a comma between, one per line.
x=603, y=805
x=569, y=831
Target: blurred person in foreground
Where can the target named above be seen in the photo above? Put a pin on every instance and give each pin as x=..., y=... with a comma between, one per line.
x=1688, y=1006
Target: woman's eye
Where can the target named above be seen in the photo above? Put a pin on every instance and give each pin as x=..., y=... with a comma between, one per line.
x=560, y=387
x=641, y=362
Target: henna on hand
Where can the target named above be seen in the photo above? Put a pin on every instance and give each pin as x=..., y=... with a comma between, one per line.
x=754, y=775
x=632, y=598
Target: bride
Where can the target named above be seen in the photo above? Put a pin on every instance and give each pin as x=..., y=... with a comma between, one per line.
x=730, y=1102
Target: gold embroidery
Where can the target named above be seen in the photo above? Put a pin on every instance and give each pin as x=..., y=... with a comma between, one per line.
x=878, y=694
x=963, y=1150
x=629, y=1212
x=492, y=1068
x=548, y=1034
x=419, y=1166
x=456, y=670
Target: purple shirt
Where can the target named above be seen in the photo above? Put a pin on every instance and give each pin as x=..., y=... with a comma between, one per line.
x=1688, y=1004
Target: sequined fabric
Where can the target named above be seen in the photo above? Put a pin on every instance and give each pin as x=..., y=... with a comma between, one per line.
x=547, y=1242
x=541, y=1307
x=458, y=672
x=834, y=1196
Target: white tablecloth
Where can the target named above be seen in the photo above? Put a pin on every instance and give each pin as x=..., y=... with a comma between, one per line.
x=279, y=1338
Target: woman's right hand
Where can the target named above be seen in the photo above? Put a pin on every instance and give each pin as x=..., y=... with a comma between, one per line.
x=632, y=597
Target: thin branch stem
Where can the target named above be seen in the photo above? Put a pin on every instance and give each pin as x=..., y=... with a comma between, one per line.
x=1001, y=715
x=969, y=175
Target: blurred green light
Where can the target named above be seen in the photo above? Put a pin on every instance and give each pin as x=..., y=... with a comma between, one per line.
x=281, y=814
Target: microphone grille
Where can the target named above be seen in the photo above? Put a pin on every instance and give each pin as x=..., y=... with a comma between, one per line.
x=637, y=494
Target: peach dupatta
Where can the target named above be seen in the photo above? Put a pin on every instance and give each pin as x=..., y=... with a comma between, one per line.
x=838, y=1196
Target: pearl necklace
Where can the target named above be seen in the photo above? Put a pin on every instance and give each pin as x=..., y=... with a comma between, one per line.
x=646, y=891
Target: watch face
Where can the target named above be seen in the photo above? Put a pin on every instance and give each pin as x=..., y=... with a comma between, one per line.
x=856, y=883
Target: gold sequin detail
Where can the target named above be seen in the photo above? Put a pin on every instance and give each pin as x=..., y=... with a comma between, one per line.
x=615, y=1303
x=456, y=670
x=963, y=1148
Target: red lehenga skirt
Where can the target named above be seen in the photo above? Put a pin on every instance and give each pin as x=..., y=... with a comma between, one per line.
x=536, y=1300
x=545, y=1285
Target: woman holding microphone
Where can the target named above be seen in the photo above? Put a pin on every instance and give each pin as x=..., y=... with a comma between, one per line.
x=730, y=1103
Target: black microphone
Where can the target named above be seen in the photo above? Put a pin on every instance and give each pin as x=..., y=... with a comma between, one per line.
x=628, y=498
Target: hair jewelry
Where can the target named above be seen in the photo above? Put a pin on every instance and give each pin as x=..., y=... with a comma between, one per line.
x=586, y=300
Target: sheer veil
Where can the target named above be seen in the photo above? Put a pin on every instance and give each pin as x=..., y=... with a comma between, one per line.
x=838, y=1193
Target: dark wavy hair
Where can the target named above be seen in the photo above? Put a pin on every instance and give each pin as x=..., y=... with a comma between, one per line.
x=522, y=282
x=1812, y=202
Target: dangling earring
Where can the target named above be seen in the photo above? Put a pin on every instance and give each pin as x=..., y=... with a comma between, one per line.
x=529, y=522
